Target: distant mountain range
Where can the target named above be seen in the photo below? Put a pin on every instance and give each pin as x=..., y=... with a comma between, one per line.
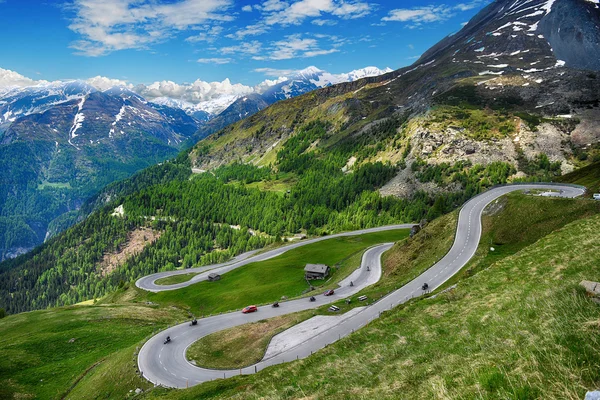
x=60, y=142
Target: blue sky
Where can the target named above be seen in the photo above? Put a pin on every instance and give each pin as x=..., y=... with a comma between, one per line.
x=142, y=41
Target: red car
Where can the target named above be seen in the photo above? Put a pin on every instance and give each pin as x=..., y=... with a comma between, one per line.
x=249, y=309
x=329, y=292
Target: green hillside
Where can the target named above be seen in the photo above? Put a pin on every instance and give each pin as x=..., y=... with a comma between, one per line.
x=520, y=328
x=100, y=361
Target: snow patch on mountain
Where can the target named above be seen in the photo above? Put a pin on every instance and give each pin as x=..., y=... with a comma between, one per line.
x=118, y=117
x=77, y=121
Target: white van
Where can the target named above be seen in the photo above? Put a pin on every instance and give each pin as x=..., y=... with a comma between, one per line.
x=596, y=196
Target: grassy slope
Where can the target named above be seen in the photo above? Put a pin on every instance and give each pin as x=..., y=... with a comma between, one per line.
x=408, y=259
x=587, y=176
x=39, y=359
x=35, y=345
x=503, y=227
x=519, y=329
x=402, y=263
x=243, y=345
x=267, y=281
x=171, y=280
x=504, y=230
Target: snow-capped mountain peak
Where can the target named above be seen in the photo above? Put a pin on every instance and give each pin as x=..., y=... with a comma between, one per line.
x=21, y=96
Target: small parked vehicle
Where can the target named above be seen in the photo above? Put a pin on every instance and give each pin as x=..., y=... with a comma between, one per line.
x=329, y=292
x=249, y=309
x=194, y=322
x=276, y=304
x=596, y=196
x=312, y=298
x=425, y=286
x=167, y=340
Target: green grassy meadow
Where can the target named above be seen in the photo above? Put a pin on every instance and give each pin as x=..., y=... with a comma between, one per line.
x=89, y=349
x=267, y=281
x=516, y=326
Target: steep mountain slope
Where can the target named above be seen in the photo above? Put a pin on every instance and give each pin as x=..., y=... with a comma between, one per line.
x=301, y=82
x=62, y=143
x=488, y=105
x=494, y=92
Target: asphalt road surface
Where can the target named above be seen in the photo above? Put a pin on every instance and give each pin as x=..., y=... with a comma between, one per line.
x=167, y=364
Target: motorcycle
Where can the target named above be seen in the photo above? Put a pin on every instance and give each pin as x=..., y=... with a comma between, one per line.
x=425, y=286
x=312, y=298
x=194, y=322
x=167, y=340
x=276, y=304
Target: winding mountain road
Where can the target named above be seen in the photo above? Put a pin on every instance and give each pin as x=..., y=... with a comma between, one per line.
x=167, y=364
x=148, y=282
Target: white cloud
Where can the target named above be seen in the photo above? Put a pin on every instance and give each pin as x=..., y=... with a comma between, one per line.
x=273, y=5
x=275, y=72
x=250, y=30
x=110, y=25
x=352, y=10
x=471, y=5
x=214, y=60
x=247, y=8
x=418, y=16
x=285, y=13
x=196, y=92
x=277, y=12
x=296, y=46
x=9, y=79
x=245, y=48
x=209, y=35
x=322, y=22
x=267, y=83
x=104, y=83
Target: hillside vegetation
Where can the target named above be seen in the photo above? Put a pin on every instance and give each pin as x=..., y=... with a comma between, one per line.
x=198, y=217
x=37, y=344
x=520, y=328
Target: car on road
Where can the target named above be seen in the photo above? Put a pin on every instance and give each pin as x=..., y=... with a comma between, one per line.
x=329, y=292
x=249, y=309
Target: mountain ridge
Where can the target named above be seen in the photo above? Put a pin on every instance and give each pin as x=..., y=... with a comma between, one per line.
x=496, y=60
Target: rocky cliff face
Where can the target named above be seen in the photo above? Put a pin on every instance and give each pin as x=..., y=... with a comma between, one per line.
x=573, y=31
